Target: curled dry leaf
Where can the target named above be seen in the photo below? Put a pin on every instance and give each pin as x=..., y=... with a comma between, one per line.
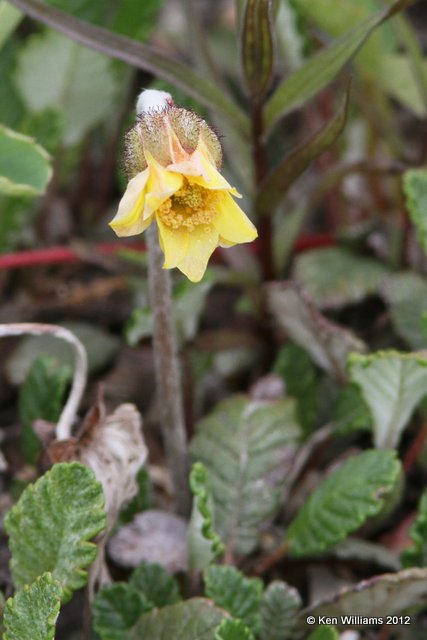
x=153, y=536
x=113, y=447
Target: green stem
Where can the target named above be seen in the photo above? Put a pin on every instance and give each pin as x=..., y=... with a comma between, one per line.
x=168, y=383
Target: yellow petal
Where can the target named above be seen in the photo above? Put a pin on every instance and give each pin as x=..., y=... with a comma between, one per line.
x=128, y=220
x=202, y=242
x=210, y=177
x=232, y=223
x=161, y=185
x=174, y=243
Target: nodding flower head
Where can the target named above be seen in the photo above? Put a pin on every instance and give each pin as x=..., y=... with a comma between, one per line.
x=172, y=158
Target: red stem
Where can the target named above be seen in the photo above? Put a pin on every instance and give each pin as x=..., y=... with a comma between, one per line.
x=61, y=255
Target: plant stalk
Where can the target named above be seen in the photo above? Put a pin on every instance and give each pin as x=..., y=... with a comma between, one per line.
x=260, y=164
x=168, y=383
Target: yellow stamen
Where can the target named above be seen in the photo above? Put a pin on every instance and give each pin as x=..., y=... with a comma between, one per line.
x=190, y=206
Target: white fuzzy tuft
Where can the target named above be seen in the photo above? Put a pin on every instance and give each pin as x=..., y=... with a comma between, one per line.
x=152, y=99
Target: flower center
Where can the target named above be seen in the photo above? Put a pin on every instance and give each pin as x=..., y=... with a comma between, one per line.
x=189, y=207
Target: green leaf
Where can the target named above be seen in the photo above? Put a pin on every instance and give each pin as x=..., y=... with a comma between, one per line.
x=188, y=295
x=258, y=46
x=235, y=593
x=392, y=385
x=91, y=10
x=116, y=610
x=140, y=56
x=274, y=187
x=335, y=20
x=230, y=629
x=324, y=274
x=33, y=610
x=16, y=217
x=343, y=501
x=322, y=68
x=12, y=109
x=41, y=397
x=204, y=544
x=241, y=444
x=395, y=77
x=9, y=20
x=351, y=412
x=325, y=632
x=157, y=586
x=279, y=608
x=139, y=326
x=381, y=595
x=46, y=126
x=140, y=502
x=24, y=165
x=296, y=368
x=195, y=619
x=51, y=525
x=415, y=188
x=417, y=554
x=326, y=342
x=406, y=295
x=136, y=19
x=54, y=72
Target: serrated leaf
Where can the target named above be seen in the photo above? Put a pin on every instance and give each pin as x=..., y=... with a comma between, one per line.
x=25, y=168
x=204, y=544
x=276, y=184
x=116, y=610
x=325, y=632
x=55, y=72
x=235, y=593
x=322, y=68
x=258, y=46
x=194, y=619
x=417, y=554
x=230, y=629
x=335, y=277
x=279, y=608
x=343, y=501
x=140, y=56
x=242, y=443
x=51, y=525
x=351, y=412
x=406, y=295
x=382, y=595
x=392, y=385
x=41, y=397
x=33, y=610
x=296, y=368
x=155, y=584
x=415, y=188
x=326, y=342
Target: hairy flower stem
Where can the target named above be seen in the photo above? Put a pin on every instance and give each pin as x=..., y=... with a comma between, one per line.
x=168, y=384
x=260, y=163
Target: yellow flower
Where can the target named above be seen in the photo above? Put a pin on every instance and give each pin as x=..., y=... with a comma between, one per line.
x=180, y=188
